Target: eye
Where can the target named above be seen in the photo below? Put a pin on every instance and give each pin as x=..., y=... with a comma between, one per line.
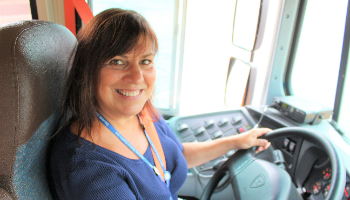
x=146, y=64
x=117, y=64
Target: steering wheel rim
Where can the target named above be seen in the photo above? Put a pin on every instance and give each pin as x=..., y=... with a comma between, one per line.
x=338, y=178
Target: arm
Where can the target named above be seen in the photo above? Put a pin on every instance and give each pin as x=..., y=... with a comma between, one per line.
x=202, y=152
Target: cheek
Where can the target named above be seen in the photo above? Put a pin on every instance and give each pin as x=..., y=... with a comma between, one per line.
x=150, y=78
x=106, y=79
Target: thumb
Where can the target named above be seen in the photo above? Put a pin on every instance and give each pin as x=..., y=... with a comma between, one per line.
x=261, y=142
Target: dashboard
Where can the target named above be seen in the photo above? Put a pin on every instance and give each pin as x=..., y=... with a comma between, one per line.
x=307, y=164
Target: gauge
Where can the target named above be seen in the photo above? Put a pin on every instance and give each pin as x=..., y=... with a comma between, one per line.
x=326, y=190
x=326, y=174
x=347, y=192
x=316, y=187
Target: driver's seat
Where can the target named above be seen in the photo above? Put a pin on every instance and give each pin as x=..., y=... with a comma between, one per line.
x=34, y=56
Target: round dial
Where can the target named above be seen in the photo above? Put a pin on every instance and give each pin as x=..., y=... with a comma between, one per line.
x=316, y=187
x=326, y=190
x=326, y=174
x=347, y=192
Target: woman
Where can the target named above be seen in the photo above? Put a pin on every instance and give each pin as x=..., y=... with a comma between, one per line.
x=108, y=91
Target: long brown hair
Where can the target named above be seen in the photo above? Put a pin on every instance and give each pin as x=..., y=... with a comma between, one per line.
x=112, y=32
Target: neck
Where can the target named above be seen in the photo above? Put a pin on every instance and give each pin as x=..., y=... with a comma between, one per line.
x=120, y=122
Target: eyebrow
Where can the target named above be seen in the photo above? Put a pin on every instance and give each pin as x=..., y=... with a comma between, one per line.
x=150, y=54
x=144, y=56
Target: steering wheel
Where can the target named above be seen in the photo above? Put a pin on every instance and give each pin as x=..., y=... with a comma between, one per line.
x=254, y=178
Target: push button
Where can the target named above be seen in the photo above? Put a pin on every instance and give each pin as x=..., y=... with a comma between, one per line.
x=241, y=129
x=285, y=143
x=291, y=146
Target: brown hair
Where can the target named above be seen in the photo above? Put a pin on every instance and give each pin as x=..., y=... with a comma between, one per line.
x=110, y=33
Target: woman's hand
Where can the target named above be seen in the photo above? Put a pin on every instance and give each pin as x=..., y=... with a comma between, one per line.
x=198, y=153
x=250, y=139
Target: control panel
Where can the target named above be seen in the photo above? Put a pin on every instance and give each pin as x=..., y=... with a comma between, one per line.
x=207, y=127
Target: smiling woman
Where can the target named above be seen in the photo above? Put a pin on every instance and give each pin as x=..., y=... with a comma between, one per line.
x=110, y=134
x=114, y=86
x=127, y=82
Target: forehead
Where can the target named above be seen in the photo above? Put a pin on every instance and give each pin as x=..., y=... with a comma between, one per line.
x=144, y=46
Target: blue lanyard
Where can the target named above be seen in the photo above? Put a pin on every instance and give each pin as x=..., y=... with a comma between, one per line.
x=167, y=175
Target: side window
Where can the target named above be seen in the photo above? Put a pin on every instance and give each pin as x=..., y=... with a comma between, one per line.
x=316, y=61
x=196, y=45
x=11, y=11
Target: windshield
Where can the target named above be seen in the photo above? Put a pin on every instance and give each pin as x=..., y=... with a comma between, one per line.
x=318, y=51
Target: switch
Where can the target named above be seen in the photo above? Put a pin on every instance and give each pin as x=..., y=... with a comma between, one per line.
x=216, y=135
x=223, y=121
x=209, y=123
x=185, y=133
x=182, y=127
x=199, y=131
x=212, y=129
x=236, y=120
x=190, y=138
x=226, y=128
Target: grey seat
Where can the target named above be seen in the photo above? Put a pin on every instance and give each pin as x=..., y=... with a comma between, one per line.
x=34, y=56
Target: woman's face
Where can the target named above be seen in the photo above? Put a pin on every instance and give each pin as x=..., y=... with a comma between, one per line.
x=126, y=82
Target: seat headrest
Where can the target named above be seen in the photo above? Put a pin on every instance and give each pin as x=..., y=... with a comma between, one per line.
x=33, y=59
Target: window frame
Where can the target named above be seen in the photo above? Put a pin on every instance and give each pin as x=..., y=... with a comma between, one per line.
x=343, y=67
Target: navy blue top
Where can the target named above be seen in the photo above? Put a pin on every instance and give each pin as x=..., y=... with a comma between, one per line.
x=89, y=171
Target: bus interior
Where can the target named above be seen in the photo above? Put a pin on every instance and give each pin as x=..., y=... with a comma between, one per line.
x=224, y=67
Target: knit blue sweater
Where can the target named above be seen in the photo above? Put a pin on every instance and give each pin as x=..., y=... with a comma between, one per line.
x=90, y=171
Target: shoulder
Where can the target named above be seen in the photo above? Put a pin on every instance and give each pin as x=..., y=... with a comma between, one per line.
x=162, y=127
x=68, y=152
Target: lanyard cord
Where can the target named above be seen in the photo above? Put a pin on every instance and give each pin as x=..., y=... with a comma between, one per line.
x=167, y=175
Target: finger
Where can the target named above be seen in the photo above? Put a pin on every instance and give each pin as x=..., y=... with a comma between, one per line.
x=262, y=148
x=268, y=145
x=259, y=149
x=261, y=142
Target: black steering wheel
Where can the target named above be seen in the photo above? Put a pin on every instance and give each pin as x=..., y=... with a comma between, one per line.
x=253, y=178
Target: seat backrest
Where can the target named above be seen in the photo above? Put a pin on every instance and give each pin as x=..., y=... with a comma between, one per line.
x=34, y=56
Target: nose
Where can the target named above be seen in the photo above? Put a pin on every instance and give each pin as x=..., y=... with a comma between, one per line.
x=134, y=75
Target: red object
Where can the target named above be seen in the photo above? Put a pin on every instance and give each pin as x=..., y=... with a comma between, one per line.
x=83, y=10
x=151, y=130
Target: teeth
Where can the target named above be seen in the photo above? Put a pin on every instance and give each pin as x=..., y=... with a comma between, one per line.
x=129, y=94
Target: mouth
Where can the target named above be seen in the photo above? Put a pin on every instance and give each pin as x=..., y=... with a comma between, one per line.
x=129, y=93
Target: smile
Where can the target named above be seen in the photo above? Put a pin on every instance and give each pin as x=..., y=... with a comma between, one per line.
x=129, y=93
